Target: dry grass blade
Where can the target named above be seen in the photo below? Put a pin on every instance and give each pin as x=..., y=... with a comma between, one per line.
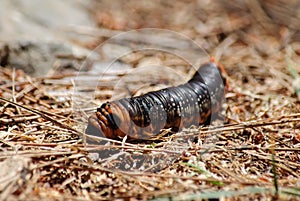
x=250, y=124
x=42, y=114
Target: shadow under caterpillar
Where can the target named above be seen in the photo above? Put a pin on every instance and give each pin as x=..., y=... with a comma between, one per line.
x=143, y=117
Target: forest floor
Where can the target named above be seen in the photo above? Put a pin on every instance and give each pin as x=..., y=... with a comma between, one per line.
x=253, y=155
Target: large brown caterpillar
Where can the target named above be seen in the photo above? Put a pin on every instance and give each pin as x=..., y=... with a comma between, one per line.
x=142, y=117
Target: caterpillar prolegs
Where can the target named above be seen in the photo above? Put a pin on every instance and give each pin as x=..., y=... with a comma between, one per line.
x=143, y=117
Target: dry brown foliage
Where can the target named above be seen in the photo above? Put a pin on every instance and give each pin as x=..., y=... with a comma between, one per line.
x=255, y=155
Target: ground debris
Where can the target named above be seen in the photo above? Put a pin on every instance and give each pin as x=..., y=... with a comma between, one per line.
x=253, y=155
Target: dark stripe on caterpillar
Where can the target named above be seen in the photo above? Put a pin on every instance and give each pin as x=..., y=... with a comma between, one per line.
x=143, y=117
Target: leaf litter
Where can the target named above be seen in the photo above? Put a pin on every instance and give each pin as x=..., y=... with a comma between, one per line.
x=254, y=155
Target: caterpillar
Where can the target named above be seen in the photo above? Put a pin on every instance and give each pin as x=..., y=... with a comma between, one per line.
x=143, y=117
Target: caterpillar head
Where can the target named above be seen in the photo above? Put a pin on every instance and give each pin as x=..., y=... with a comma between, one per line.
x=106, y=122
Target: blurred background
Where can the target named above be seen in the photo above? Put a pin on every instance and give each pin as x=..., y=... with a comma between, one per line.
x=68, y=27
